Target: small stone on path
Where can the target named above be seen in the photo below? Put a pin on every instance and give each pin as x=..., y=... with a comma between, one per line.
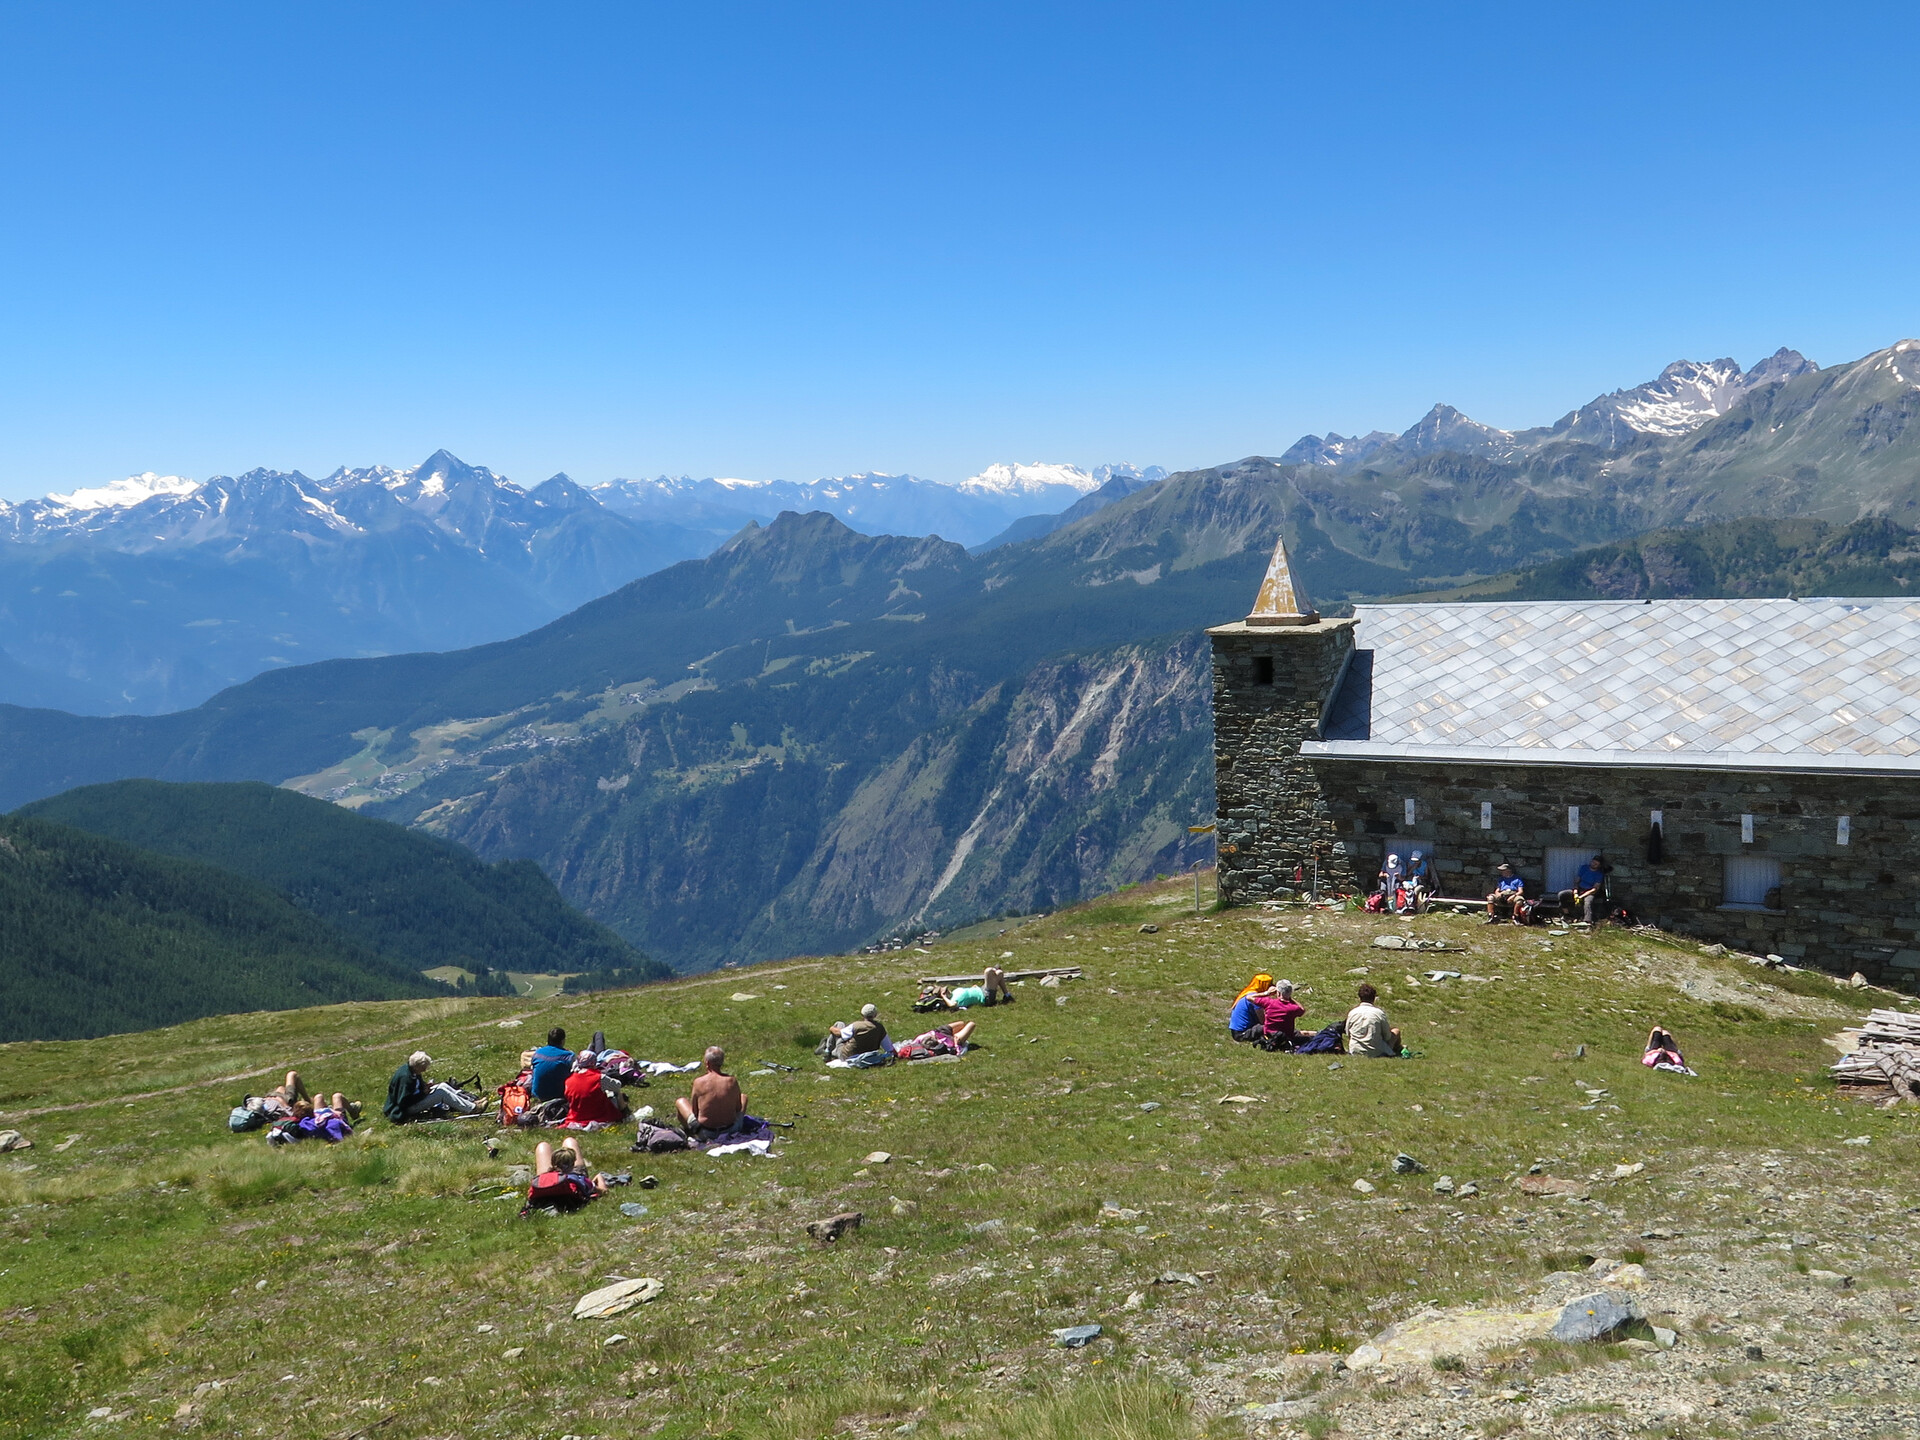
x=1365, y=1187
x=1074, y=1336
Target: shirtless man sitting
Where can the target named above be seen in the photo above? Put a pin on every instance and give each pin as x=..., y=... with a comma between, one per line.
x=716, y=1105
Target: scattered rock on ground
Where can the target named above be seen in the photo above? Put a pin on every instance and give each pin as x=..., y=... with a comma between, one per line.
x=879, y=1157
x=14, y=1140
x=1548, y=1185
x=829, y=1230
x=1405, y=1164
x=1074, y=1336
x=1365, y=1187
x=1594, y=1317
x=616, y=1299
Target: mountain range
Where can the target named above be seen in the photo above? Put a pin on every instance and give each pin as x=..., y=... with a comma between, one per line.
x=155, y=592
x=811, y=737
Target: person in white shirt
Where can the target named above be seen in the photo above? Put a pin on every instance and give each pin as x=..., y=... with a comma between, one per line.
x=1368, y=1032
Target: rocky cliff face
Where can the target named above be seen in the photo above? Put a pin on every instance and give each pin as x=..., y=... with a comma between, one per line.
x=927, y=800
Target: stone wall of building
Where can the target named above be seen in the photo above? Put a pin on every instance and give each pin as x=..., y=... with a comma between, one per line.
x=1272, y=819
x=1844, y=907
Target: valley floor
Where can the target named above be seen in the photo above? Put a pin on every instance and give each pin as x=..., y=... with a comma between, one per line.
x=1082, y=1165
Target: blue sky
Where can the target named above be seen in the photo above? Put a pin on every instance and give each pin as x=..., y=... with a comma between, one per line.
x=796, y=240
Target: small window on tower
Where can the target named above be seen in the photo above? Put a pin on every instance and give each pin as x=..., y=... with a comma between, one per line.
x=1263, y=670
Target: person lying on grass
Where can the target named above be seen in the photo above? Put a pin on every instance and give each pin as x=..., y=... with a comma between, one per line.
x=716, y=1106
x=992, y=990
x=1246, y=1021
x=1368, y=1033
x=1663, y=1052
x=309, y=1122
x=941, y=1040
x=560, y=1179
x=279, y=1102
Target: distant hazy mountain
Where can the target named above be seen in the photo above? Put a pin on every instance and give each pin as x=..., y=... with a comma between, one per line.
x=874, y=504
x=155, y=592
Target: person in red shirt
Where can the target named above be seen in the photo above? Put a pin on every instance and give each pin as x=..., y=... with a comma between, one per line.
x=591, y=1098
x=1280, y=1010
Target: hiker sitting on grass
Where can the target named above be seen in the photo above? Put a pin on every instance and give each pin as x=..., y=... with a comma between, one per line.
x=862, y=1037
x=594, y=1099
x=560, y=1179
x=1508, y=893
x=1246, y=1022
x=410, y=1097
x=716, y=1105
x=549, y=1066
x=1368, y=1033
x=1278, y=1011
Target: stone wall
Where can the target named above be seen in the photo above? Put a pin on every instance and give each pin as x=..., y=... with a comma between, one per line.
x=1272, y=819
x=1843, y=907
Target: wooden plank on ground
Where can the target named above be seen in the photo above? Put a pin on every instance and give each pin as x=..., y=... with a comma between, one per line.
x=1065, y=972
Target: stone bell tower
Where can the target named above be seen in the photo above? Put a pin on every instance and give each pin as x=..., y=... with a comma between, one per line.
x=1274, y=676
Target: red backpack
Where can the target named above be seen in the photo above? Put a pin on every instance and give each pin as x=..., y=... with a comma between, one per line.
x=558, y=1190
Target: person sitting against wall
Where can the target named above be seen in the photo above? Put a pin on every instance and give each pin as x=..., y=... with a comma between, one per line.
x=1419, y=881
x=1508, y=891
x=1393, y=875
x=1589, y=891
x=1246, y=1022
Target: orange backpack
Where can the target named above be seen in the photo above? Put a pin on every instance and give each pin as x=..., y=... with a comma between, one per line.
x=515, y=1100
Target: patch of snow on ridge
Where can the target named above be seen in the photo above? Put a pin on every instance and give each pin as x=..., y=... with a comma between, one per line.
x=122, y=494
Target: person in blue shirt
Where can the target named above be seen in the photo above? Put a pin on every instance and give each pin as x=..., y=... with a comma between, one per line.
x=1419, y=880
x=1590, y=887
x=552, y=1063
x=1248, y=1020
x=1508, y=890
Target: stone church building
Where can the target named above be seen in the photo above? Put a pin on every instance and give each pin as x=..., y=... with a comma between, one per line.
x=1749, y=768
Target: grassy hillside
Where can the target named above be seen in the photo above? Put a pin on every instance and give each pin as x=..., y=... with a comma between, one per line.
x=1743, y=558
x=417, y=900
x=165, y=1276
x=97, y=937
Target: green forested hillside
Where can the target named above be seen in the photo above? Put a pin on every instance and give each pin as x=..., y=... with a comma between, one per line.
x=97, y=938
x=1755, y=559
x=412, y=898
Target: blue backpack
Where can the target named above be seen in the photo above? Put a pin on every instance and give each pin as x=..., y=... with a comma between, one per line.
x=1323, y=1042
x=243, y=1118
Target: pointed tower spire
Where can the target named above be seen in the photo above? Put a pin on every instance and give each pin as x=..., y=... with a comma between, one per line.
x=1282, y=600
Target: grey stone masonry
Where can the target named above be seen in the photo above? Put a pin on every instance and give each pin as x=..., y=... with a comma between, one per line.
x=1842, y=906
x=1270, y=688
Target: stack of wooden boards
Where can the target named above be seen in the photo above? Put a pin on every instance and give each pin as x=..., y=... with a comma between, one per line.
x=1886, y=1052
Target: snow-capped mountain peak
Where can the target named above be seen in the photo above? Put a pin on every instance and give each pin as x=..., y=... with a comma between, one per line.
x=122, y=494
x=1009, y=478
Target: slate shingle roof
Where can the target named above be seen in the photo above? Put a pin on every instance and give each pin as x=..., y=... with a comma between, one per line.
x=1760, y=684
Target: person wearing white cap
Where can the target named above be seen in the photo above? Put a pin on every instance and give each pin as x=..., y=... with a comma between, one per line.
x=410, y=1097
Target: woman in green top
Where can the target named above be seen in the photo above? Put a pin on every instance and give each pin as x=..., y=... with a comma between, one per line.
x=991, y=991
